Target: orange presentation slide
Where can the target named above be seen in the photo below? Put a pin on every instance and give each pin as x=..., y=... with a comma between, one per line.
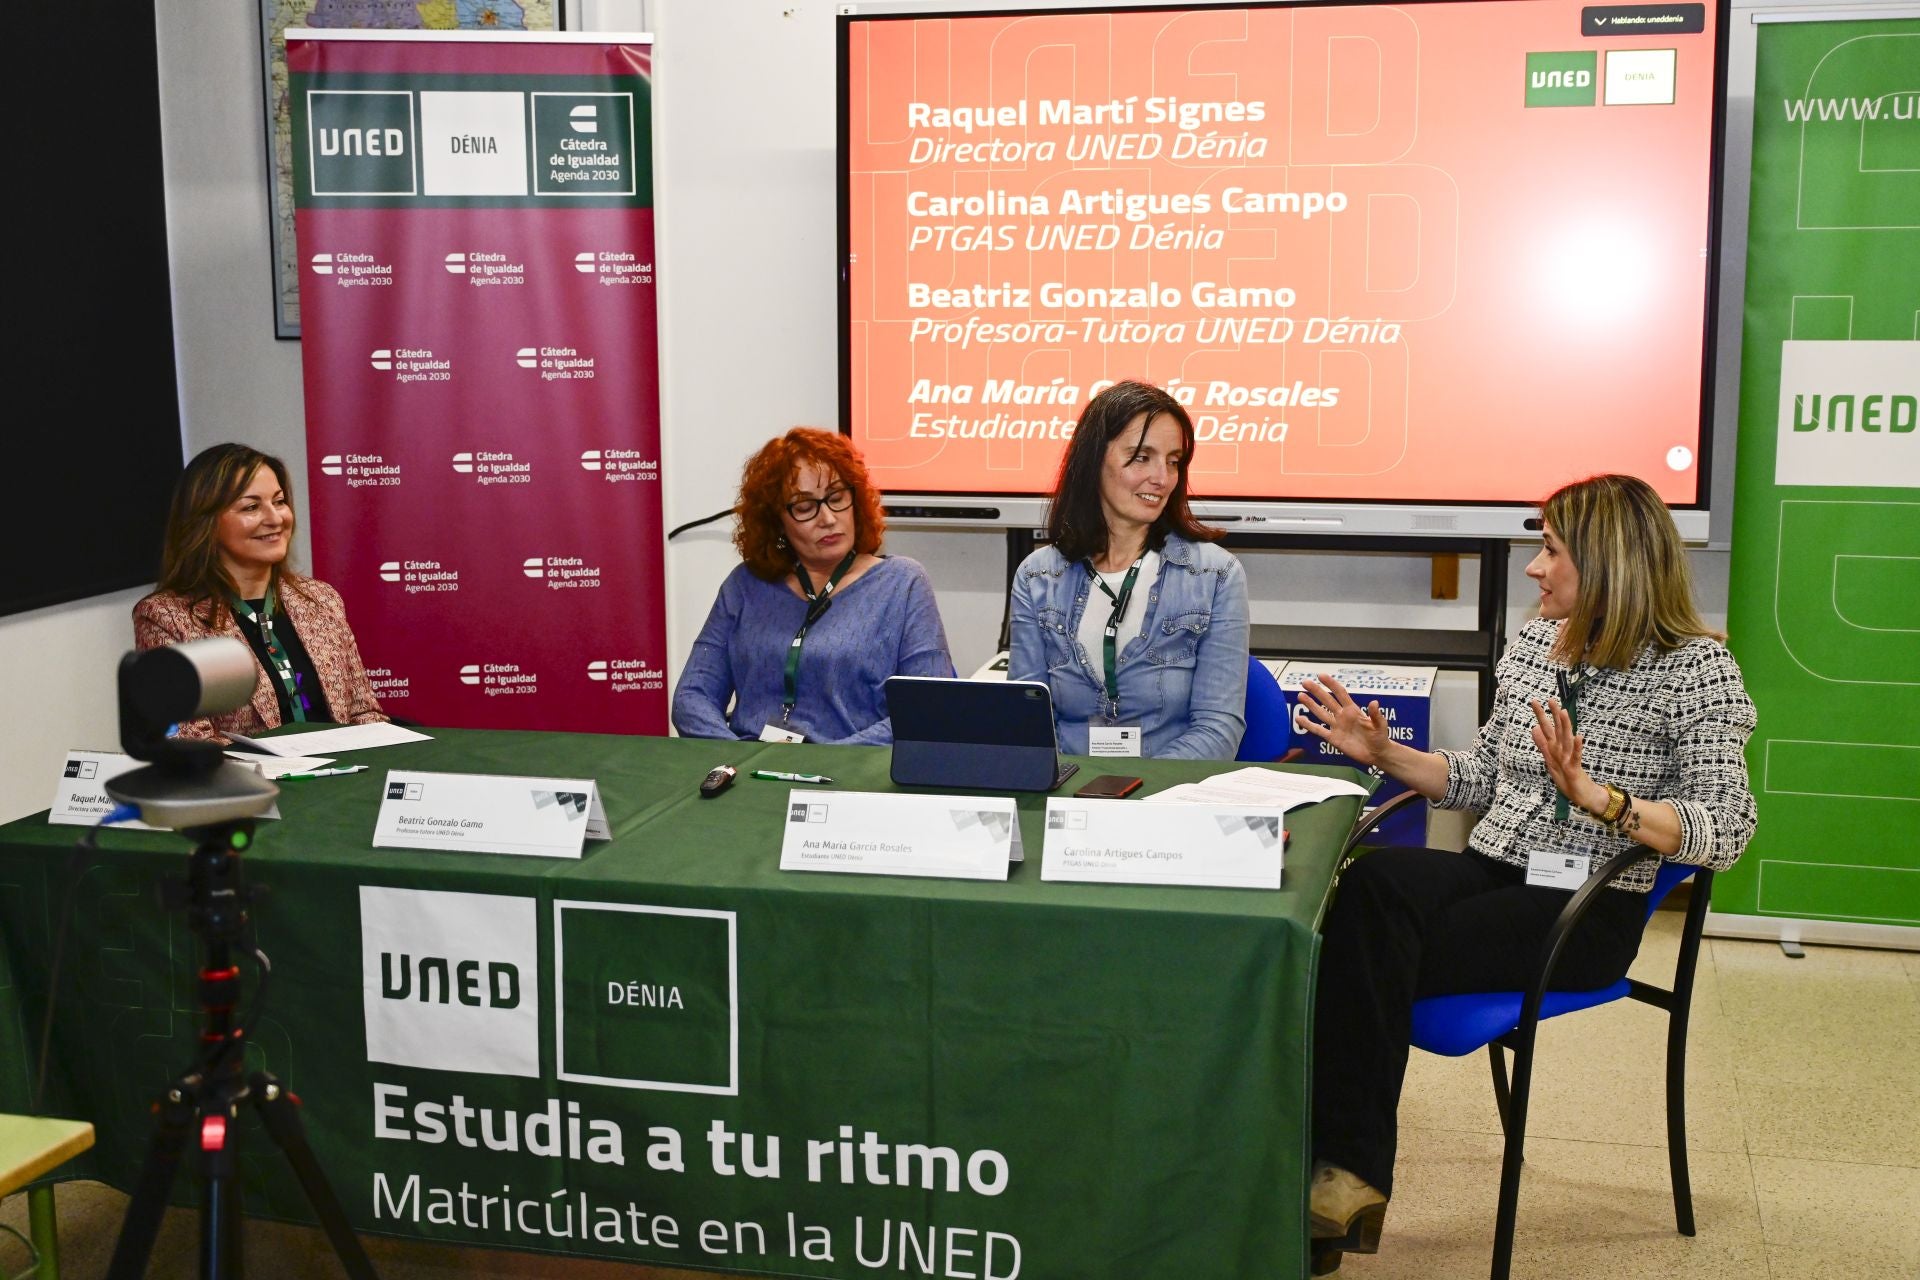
x=1430, y=252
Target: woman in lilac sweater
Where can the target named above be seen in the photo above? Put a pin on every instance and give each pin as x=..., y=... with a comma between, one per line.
x=804, y=634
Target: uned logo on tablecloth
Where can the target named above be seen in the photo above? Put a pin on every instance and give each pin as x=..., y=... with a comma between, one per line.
x=451, y=981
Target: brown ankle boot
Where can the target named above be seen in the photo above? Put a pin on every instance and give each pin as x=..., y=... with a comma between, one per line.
x=1347, y=1213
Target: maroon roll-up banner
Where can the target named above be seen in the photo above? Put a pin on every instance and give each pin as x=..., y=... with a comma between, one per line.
x=475, y=225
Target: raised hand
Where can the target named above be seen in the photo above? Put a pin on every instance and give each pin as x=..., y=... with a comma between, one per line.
x=1359, y=733
x=1560, y=747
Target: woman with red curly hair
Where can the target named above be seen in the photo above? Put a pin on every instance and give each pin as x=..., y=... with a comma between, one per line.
x=774, y=662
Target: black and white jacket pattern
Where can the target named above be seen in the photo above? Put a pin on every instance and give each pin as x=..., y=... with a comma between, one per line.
x=1673, y=726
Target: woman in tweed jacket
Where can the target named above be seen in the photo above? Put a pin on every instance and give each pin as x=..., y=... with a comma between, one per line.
x=1657, y=760
x=224, y=572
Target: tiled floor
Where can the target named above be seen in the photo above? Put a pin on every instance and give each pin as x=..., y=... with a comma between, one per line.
x=1803, y=1118
x=1803, y=1113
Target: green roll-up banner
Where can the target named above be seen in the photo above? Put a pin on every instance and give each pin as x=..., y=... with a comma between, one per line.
x=1825, y=601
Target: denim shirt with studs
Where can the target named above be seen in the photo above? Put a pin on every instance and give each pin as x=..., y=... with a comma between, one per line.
x=1182, y=679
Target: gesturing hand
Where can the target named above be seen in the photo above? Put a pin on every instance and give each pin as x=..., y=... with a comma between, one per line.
x=1560, y=747
x=1358, y=733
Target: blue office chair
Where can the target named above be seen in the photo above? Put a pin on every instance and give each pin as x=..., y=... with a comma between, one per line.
x=1457, y=1025
x=1269, y=733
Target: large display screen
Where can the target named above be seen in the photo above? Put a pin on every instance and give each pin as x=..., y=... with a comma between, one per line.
x=1427, y=253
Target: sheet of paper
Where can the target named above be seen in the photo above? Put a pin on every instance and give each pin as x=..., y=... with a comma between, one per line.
x=1253, y=785
x=275, y=767
x=345, y=737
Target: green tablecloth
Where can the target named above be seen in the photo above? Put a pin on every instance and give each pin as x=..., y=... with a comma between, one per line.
x=1120, y=1073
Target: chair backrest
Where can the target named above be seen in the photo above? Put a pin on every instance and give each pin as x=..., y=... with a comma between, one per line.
x=1268, y=732
x=1669, y=875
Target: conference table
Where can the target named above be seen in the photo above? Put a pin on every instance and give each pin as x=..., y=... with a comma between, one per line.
x=671, y=1051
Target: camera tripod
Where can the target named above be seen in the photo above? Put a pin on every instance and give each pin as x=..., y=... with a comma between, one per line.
x=202, y=1105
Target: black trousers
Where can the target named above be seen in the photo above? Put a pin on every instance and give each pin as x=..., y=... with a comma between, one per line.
x=1411, y=923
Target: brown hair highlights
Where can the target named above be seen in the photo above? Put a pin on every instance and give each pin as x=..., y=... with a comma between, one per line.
x=1635, y=584
x=190, y=563
x=1076, y=522
x=757, y=531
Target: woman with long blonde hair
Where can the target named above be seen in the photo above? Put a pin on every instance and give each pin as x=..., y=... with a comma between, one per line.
x=1619, y=720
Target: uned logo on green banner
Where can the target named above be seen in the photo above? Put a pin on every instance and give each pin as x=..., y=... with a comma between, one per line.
x=360, y=142
x=1847, y=415
x=1561, y=79
x=1849, y=411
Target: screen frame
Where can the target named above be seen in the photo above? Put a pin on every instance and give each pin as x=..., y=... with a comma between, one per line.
x=1453, y=518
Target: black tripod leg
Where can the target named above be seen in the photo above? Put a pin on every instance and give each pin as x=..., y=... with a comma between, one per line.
x=173, y=1125
x=220, y=1256
x=281, y=1112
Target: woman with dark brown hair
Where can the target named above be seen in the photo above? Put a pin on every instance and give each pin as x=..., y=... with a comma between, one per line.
x=1130, y=614
x=773, y=662
x=224, y=572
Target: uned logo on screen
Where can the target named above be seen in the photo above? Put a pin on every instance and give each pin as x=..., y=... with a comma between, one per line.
x=1561, y=79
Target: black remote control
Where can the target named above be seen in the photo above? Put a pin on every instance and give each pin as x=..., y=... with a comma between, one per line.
x=717, y=781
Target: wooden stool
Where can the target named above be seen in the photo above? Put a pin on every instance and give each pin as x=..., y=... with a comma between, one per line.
x=29, y=1147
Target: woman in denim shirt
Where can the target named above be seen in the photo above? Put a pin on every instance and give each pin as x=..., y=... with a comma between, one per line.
x=1130, y=573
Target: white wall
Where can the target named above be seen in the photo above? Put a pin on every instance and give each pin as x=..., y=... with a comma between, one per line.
x=745, y=157
x=237, y=382
x=57, y=682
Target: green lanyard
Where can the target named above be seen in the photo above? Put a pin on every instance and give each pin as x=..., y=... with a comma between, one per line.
x=1109, y=644
x=282, y=663
x=817, y=603
x=1569, y=685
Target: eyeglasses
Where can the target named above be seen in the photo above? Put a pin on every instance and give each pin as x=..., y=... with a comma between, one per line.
x=805, y=509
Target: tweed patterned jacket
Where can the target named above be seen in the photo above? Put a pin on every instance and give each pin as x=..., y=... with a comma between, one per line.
x=1673, y=726
x=321, y=619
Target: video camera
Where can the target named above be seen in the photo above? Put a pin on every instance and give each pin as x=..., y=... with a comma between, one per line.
x=190, y=783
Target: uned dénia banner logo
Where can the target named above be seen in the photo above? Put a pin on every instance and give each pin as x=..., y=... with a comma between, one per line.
x=360, y=142
x=451, y=981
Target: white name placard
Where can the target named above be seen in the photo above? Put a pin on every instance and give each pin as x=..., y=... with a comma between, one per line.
x=879, y=833
x=80, y=799
x=489, y=813
x=1121, y=842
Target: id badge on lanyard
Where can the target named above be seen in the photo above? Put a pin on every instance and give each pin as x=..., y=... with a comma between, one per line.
x=1569, y=689
x=1113, y=739
x=1110, y=639
x=817, y=604
x=1558, y=869
x=1561, y=868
